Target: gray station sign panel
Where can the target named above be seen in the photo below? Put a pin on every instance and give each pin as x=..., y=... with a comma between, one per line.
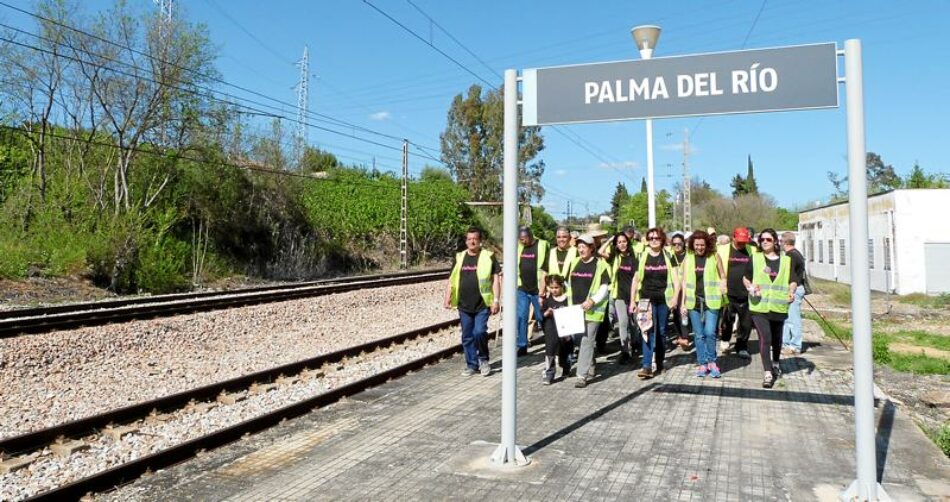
x=760, y=80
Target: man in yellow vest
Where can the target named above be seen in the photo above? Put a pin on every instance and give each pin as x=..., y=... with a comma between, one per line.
x=532, y=263
x=561, y=256
x=473, y=288
x=737, y=262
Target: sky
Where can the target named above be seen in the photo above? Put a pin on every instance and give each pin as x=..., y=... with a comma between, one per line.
x=368, y=70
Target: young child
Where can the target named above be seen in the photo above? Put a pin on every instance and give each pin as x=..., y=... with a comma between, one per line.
x=554, y=345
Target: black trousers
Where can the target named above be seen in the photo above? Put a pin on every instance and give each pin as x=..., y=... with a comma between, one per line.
x=770, y=339
x=738, y=307
x=556, y=349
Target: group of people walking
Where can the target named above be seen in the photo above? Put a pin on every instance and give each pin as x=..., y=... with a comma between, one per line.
x=717, y=285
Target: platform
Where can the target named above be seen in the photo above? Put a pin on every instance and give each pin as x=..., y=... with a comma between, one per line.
x=677, y=437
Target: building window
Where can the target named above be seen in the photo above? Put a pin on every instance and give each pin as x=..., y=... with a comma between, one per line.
x=821, y=252
x=831, y=252
x=887, y=253
x=841, y=260
x=811, y=249
x=871, y=253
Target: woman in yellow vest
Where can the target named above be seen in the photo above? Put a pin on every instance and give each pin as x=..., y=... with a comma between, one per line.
x=771, y=289
x=623, y=264
x=703, y=287
x=656, y=280
x=587, y=286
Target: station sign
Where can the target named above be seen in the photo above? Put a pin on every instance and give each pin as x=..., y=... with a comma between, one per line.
x=748, y=81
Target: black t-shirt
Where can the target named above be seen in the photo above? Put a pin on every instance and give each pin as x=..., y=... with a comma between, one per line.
x=625, y=271
x=581, y=279
x=798, y=266
x=740, y=265
x=772, y=269
x=678, y=258
x=653, y=282
x=470, y=299
x=529, y=268
x=550, y=328
x=560, y=257
x=700, y=267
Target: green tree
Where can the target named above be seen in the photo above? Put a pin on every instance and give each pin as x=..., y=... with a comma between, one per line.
x=472, y=147
x=636, y=212
x=738, y=186
x=881, y=176
x=643, y=185
x=751, y=186
x=616, y=202
x=315, y=160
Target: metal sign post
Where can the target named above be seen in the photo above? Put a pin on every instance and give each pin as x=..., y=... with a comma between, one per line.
x=508, y=454
x=865, y=486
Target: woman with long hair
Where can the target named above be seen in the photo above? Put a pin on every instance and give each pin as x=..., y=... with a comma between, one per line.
x=656, y=281
x=771, y=289
x=623, y=264
x=703, y=287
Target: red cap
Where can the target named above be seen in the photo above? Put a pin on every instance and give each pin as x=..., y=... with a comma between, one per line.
x=741, y=235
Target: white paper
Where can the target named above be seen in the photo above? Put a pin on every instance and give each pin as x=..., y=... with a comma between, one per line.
x=569, y=320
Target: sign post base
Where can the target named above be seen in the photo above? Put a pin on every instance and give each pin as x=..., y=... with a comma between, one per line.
x=853, y=494
x=503, y=457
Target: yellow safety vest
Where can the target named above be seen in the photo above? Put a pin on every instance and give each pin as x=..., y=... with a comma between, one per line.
x=710, y=282
x=774, y=294
x=723, y=250
x=670, y=274
x=596, y=313
x=482, y=272
x=543, y=248
x=568, y=258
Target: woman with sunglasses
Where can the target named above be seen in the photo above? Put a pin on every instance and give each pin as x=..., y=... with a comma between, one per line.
x=656, y=280
x=703, y=288
x=678, y=250
x=771, y=290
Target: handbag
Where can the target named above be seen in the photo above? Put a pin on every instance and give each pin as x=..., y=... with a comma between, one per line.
x=644, y=317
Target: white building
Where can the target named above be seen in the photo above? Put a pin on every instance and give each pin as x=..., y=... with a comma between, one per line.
x=908, y=238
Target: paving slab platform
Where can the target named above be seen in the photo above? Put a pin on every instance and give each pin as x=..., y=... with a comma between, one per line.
x=427, y=436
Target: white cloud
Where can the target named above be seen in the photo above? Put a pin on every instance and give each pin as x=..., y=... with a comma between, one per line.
x=383, y=115
x=629, y=164
x=560, y=172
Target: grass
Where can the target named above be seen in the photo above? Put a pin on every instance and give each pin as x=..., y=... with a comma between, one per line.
x=840, y=294
x=918, y=364
x=942, y=438
x=941, y=301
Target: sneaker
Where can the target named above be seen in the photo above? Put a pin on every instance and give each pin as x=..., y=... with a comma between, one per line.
x=701, y=371
x=723, y=347
x=580, y=383
x=547, y=380
x=522, y=351
x=776, y=369
x=714, y=370
x=484, y=368
x=645, y=373
x=468, y=372
x=768, y=380
x=744, y=354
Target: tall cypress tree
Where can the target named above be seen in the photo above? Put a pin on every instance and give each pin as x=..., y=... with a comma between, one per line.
x=751, y=186
x=643, y=185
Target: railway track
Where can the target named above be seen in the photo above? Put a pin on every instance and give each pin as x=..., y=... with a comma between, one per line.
x=112, y=477
x=42, y=320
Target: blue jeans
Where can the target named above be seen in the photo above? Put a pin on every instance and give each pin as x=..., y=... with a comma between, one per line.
x=656, y=337
x=524, y=300
x=475, y=337
x=704, y=334
x=792, y=331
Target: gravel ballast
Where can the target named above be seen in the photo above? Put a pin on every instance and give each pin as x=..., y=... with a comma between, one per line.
x=52, y=378
x=50, y=471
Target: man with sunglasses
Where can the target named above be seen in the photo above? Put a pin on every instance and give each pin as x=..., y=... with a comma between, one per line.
x=737, y=262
